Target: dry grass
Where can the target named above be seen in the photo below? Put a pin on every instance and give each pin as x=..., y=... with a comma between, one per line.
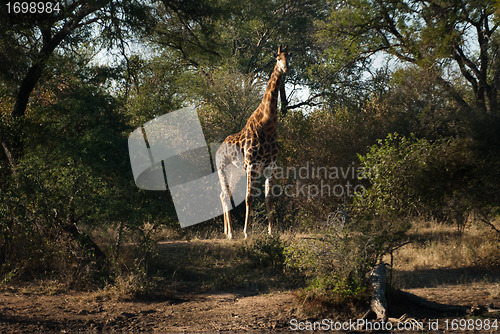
x=438, y=256
x=436, y=246
x=201, y=265
x=47, y=287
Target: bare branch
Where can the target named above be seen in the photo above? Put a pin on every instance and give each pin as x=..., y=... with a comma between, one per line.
x=309, y=102
x=485, y=220
x=453, y=93
x=12, y=163
x=462, y=60
x=390, y=48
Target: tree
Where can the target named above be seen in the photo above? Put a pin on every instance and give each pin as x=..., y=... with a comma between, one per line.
x=245, y=34
x=29, y=40
x=455, y=40
x=54, y=188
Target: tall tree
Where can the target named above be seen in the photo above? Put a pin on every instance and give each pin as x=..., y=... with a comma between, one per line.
x=30, y=39
x=245, y=33
x=456, y=40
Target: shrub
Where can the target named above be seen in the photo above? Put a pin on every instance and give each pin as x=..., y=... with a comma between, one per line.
x=337, y=262
x=415, y=177
x=267, y=251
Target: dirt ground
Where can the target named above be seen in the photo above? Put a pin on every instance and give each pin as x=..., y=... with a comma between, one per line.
x=81, y=312
x=261, y=307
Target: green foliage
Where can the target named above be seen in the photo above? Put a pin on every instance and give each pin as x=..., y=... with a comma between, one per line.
x=267, y=251
x=65, y=175
x=416, y=177
x=337, y=262
x=229, y=98
x=72, y=178
x=209, y=33
x=419, y=106
x=433, y=35
x=71, y=156
x=329, y=138
x=74, y=154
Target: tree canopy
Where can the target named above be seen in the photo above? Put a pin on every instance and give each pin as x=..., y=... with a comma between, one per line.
x=372, y=84
x=457, y=42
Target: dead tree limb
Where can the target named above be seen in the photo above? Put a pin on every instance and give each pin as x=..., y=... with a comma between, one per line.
x=491, y=309
x=485, y=220
x=12, y=163
x=377, y=281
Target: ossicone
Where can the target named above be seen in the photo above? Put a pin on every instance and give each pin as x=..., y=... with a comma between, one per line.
x=281, y=49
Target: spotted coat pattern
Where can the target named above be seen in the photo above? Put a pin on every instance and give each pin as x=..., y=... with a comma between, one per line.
x=254, y=149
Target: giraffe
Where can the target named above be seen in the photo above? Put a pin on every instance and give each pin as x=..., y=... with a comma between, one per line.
x=254, y=149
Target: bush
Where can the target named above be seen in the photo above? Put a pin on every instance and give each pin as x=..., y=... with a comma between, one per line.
x=337, y=262
x=267, y=251
x=70, y=179
x=415, y=177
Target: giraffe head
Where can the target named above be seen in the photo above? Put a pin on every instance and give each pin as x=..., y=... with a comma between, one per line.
x=282, y=58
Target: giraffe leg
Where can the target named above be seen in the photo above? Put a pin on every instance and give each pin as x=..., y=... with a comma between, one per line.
x=227, y=217
x=226, y=203
x=249, y=199
x=269, y=202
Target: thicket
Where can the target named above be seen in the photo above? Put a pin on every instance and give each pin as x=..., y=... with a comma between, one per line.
x=420, y=128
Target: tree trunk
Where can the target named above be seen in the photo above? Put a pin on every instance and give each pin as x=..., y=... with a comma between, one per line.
x=284, y=102
x=377, y=281
x=85, y=241
x=27, y=86
x=50, y=43
x=69, y=226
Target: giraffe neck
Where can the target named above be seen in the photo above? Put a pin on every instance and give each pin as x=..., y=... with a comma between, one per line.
x=269, y=105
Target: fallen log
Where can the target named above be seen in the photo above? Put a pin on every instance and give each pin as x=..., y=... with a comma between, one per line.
x=379, y=302
x=491, y=309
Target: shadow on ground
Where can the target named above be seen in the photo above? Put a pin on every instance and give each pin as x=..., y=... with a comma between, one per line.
x=431, y=278
x=203, y=266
